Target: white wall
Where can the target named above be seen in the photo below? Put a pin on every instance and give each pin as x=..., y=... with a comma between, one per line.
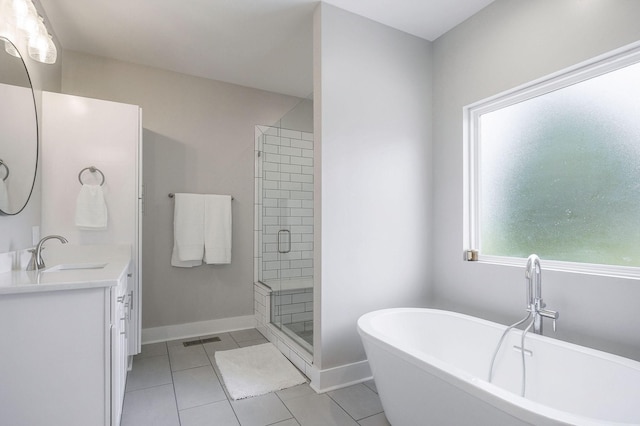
x=83, y=132
x=372, y=102
x=198, y=137
x=299, y=118
x=507, y=44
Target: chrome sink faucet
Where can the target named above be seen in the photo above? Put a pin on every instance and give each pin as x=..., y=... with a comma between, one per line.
x=536, y=305
x=37, y=262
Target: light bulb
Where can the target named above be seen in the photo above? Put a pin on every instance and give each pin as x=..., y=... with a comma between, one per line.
x=52, y=51
x=8, y=31
x=29, y=24
x=43, y=49
x=21, y=24
x=20, y=8
x=26, y=17
x=11, y=49
x=7, y=20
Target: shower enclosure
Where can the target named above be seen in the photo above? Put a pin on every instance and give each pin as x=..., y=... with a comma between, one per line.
x=284, y=220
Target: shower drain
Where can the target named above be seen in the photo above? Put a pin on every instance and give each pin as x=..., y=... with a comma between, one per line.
x=201, y=341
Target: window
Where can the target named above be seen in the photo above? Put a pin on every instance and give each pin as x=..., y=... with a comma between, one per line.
x=553, y=168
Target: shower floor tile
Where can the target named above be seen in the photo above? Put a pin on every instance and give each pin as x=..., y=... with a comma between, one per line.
x=196, y=396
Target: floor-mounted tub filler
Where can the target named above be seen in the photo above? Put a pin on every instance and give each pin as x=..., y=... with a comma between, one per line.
x=431, y=367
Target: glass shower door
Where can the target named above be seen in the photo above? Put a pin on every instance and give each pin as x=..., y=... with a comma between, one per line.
x=285, y=188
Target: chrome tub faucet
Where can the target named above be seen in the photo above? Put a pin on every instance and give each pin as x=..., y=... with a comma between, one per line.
x=535, y=304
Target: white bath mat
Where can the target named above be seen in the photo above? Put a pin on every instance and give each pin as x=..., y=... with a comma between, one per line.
x=256, y=370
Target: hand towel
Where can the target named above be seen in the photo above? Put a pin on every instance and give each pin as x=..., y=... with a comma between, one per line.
x=217, y=229
x=188, y=230
x=4, y=197
x=91, y=208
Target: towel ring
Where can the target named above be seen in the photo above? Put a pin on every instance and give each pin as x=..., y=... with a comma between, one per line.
x=92, y=169
x=6, y=168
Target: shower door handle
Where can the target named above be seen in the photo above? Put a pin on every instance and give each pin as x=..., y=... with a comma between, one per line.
x=280, y=232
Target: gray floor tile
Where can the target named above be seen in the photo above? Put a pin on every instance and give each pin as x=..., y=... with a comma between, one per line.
x=197, y=386
x=260, y=410
x=253, y=342
x=215, y=414
x=226, y=342
x=187, y=357
x=154, y=395
x=153, y=349
x=371, y=384
x=149, y=372
x=295, y=392
x=357, y=400
x=150, y=407
x=244, y=335
x=377, y=420
x=178, y=342
x=316, y=410
x=290, y=422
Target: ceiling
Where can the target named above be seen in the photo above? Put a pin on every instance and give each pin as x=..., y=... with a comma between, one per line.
x=265, y=44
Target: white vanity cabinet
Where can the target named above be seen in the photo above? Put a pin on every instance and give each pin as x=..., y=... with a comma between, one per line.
x=63, y=345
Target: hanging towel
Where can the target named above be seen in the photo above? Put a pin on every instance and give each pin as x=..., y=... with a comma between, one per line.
x=188, y=230
x=217, y=229
x=91, y=208
x=4, y=197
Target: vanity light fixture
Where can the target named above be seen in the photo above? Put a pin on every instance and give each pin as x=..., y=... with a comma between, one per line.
x=21, y=24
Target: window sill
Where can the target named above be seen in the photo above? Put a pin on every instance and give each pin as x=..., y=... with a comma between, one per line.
x=609, y=271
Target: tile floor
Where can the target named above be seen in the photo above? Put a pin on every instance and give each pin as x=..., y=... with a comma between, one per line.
x=174, y=385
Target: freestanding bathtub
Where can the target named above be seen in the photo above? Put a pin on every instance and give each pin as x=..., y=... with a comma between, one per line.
x=431, y=368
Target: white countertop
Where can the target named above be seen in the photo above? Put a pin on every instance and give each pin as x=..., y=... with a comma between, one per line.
x=115, y=257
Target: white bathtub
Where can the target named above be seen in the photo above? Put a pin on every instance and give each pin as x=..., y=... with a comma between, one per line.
x=431, y=367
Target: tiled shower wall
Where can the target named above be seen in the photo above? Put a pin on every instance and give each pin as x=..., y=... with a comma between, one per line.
x=284, y=201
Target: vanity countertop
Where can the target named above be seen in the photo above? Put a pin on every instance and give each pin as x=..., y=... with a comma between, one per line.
x=115, y=258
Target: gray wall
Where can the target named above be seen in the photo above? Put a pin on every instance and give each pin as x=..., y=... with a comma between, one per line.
x=507, y=44
x=373, y=138
x=198, y=137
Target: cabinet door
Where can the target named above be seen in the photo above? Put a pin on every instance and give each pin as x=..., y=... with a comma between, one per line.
x=118, y=350
x=132, y=314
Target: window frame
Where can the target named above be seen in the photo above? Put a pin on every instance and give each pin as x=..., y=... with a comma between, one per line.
x=602, y=64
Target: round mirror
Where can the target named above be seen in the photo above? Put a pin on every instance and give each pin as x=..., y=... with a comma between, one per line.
x=18, y=131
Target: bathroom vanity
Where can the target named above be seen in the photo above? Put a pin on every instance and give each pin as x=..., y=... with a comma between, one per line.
x=65, y=332
x=68, y=331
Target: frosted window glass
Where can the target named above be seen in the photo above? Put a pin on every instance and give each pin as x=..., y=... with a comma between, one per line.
x=560, y=173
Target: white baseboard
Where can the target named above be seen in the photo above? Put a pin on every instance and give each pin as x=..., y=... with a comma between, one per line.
x=196, y=329
x=340, y=377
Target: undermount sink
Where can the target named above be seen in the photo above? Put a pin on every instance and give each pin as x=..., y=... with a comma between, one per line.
x=75, y=266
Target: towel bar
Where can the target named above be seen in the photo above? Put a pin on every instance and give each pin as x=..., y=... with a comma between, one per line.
x=92, y=169
x=171, y=195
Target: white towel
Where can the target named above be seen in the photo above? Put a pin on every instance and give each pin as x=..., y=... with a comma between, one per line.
x=91, y=208
x=217, y=229
x=188, y=230
x=4, y=197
